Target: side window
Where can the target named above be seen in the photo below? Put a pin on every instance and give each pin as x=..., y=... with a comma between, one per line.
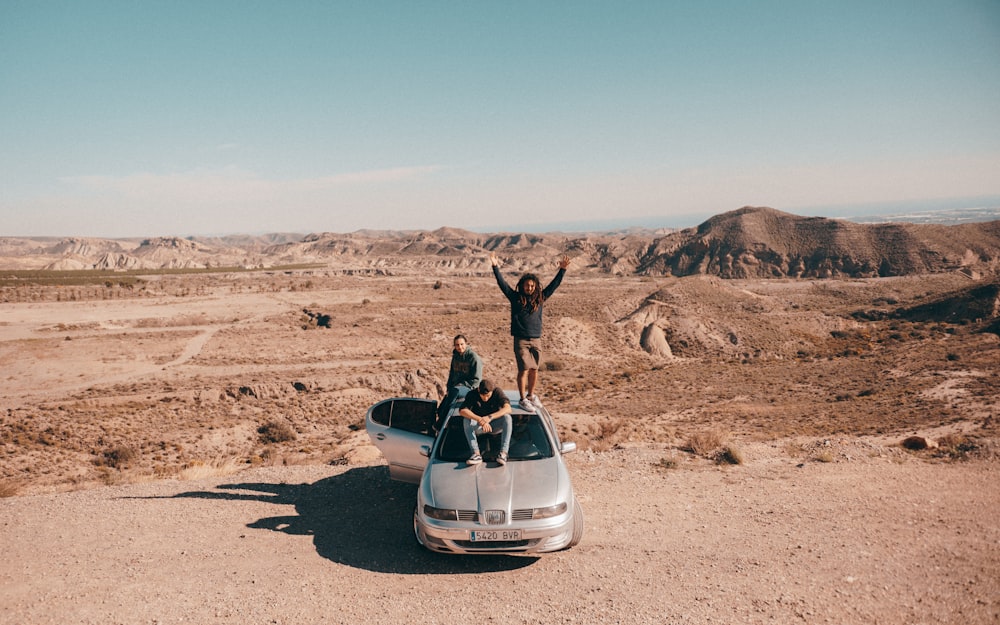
x=381, y=412
x=408, y=415
x=412, y=416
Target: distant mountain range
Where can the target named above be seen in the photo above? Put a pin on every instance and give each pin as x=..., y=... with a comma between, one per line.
x=751, y=242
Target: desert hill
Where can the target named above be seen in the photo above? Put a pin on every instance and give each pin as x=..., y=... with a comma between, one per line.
x=751, y=242
x=763, y=243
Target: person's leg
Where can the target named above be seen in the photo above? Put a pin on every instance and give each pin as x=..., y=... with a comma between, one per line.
x=531, y=376
x=508, y=428
x=520, y=355
x=534, y=362
x=522, y=382
x=470, y=434
x=443, y=407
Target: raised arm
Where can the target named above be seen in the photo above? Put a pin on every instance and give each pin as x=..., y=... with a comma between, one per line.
x=495, y=261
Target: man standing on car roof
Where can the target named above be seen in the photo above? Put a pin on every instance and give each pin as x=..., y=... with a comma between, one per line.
x=482, y=409
x=526, y=302
x=465, y=372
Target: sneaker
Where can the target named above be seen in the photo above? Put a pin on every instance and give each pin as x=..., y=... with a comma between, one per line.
x=502, y=458
x=527, y=405
x=475, y=459
x=536, y=400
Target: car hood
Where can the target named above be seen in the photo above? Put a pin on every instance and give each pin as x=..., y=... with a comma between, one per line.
x=517, y=485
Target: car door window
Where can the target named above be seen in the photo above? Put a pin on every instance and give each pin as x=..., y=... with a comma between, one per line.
x=405, y=415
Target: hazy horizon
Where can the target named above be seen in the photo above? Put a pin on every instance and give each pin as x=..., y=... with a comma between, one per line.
x=937, y=211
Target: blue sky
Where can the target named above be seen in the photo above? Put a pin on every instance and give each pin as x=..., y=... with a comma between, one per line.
x=212, y=117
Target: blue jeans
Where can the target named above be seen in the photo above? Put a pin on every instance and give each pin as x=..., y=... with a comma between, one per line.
x=503, y=425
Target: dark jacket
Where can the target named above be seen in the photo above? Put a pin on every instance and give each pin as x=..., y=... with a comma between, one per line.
x=526, y=324
x=466, y=369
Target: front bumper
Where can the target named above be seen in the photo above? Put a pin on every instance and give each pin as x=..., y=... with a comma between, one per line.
x=453, y=537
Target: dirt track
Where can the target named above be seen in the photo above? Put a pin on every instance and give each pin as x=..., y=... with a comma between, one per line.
x=872, y=540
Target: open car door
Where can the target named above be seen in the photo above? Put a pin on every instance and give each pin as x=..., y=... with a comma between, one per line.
x=399, y=427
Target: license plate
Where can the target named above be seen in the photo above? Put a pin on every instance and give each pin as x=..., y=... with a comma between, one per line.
x=494, y=535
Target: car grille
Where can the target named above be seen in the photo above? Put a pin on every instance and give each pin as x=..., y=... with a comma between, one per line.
x=495, y=517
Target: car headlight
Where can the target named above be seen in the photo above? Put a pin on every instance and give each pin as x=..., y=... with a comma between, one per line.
x=549, y=511
x=444, y=514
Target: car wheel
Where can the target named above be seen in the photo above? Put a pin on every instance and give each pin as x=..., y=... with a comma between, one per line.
x=577, y=524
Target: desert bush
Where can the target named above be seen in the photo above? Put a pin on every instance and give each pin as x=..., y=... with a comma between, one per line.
x=961, y=447
x=823, y=455
x=705, y=444
x=276, y=432
x=729, y=454
x=603, y=435
x=668, y=462
x=553, y=365
x=118, y=456
x=196, y=469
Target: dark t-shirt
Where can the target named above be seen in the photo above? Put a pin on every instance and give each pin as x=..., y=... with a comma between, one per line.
x=474, y=402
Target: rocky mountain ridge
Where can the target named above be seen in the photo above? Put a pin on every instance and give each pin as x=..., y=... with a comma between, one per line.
x=751, y=242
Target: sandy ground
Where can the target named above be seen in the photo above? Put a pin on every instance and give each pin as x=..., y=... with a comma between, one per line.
x=876, y=541
x=138, y=488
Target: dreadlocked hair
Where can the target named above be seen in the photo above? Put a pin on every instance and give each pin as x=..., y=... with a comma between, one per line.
x=533, y=301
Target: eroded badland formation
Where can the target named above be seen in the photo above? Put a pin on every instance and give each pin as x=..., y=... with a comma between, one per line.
x=755, y=326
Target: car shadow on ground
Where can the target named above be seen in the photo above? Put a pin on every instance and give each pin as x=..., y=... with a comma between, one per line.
x=359, y=518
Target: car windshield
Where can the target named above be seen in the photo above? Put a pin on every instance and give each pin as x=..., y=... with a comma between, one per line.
x=528, y=440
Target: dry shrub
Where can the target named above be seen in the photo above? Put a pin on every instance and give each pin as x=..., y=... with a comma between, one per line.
x=962, y=447
x=795, y=450
x=196, y=469
x=914, y=443
x=730, y=454
x=823, y=455
x=604, y=435
x=117, y=457
x=705, y=444
x=553, y=365
x=276, y=432
x=668, y=462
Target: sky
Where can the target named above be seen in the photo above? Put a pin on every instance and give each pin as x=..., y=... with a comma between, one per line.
x=180, y=118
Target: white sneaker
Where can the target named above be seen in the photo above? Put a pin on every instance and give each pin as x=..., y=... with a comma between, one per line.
x=536, y=400
x=527, y=405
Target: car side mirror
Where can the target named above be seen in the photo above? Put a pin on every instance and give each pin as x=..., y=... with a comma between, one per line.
x=567, y=447
x=425, y=450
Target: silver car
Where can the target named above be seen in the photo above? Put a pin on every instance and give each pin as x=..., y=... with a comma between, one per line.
x=525, y=506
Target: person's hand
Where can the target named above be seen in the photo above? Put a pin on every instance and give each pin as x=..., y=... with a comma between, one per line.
x=494, y=259
x=564, y=262
x=485, y=423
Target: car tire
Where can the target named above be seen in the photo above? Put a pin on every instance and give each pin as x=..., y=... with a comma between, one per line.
x=577, y=524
